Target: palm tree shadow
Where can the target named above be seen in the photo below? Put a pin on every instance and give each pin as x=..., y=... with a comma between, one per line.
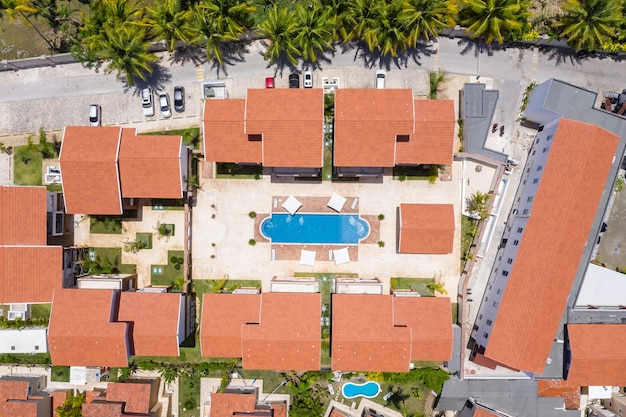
x=478, y=46
x=374, y=58
x=188, y=53
x=233, y=53
x=565, y=56
x=157, y=80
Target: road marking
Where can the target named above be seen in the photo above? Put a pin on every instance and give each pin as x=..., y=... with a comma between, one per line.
x=200, y=72
x=535, y=61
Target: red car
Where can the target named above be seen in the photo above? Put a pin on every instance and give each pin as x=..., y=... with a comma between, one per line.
x=269, y=82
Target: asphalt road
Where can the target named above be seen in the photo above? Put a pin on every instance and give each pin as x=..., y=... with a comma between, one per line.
x=54, y=97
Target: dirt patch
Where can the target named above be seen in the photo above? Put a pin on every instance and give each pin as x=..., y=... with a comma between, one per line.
x=17, y=40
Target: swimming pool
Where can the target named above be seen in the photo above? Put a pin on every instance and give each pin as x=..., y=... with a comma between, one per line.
x=370, y=389
x=315, y=228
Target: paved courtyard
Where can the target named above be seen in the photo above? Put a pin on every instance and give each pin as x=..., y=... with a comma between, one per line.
x=222, y=229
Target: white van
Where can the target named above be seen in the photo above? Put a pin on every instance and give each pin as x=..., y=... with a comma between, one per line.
x=380, y=78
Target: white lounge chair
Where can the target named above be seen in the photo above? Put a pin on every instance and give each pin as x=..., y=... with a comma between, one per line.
x=307, y=257
x=341, y=256
x=336, y=202
x=292, y=205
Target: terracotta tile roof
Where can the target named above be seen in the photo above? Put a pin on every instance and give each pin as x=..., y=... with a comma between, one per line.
x=136, y=396
x=280, y=410
x=14, y=399
x=268, y=331
x=288, y=336
x=104, y=409
x=560, y=388
x=22, y=215
x=153, y=319
x=390, y=333
x=223, y=318
x=225, y=404
x=58, y=398
x=597, y=354
x=30, y=273
x=291, y=121
x=426, y=228
x=19, y=408
x=554, y=238
x=150, y=166
x=483, y=412
x=430, y=321
x=225, y=139
x=336, y=413
x=90, y=338
x=433, y=138
x=366, y=124
x=88, y=163
x=13, y=390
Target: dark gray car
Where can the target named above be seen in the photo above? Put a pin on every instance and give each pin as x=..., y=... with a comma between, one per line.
x=179, y=99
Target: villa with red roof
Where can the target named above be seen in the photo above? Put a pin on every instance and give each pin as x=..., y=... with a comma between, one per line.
x=90, y=327
x=390, y=333
x=281, y=129
x=105, y=166
x=426, y=228
x=136, y=397
x=23, y=396
x=30, y=270
x=274, y=331
x=244, y=401
x=384, y=128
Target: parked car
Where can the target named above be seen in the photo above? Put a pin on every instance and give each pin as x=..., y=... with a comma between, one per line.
x=380, y=78
x=179, y=99
x=308, y=79
x=164, y=104
x=146, y=102
x=294, y=80
x=94, y=115
x=269, y=82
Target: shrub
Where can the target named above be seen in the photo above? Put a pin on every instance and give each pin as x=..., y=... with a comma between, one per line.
x=252, y=242
x=381, y=244
x=252, y=214
x=381, y=217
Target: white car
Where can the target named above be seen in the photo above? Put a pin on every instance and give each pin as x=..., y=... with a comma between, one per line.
x=164, y=104
x=146, y=102
x=94, y=115
x=307, y=82
x=380, y=78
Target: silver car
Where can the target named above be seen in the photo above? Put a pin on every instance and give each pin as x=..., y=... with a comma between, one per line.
x=146, y=102
x=164, y=104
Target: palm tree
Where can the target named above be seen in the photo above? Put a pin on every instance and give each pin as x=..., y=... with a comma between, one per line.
x=126, y=50
x=427, y=18
x=315, y=30
x=588, y=23
x=359, y=15
x=169, y=22
x=385, y=31
x=279, y=27
x=494, y=19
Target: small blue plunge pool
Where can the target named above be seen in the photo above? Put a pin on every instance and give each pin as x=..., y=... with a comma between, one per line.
x=368, y=390
x=315, y=228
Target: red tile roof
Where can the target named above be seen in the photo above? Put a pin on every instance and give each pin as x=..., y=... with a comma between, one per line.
x=223, y=318
x=597, y=354
x=30, y=274
x=150, y=166
x=225, y=139
x=154, y=320
x=88, y=161
x=58, y=398
x=136, y=396
x=433, y=138
x=426, y=228
x=105, y=409
x=19, y=408
x=560, y=388
x=289, y=120
x=82, y=331
x=390, y=332
x=22, y=215
x=366, y=124
x=430, y=321
x=555, y=236
x=268, y=331
x=288, y=334
x=226, y=404
x=15, y=401
x=483, y=412
x=13, y=390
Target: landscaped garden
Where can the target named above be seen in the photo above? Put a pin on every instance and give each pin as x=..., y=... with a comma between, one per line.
x=107, y=261
x=468, y=230
x=424, y=286
x=170, y=274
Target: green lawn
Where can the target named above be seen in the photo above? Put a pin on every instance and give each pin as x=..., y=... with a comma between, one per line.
x=60, y=374
x=167, y=274
x=40, y=311
x=416, y=284
x=27, y=166
x=327, y=169
x=111, y=259
x=145, y=238
x=107, y=225
x=467, y=229
x=191, y=136
x=189, y=396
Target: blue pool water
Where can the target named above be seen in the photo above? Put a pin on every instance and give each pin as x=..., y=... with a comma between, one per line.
x=315, y=228
x=368, y=390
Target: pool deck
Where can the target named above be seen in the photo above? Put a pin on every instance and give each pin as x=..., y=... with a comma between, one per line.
x=222, y=229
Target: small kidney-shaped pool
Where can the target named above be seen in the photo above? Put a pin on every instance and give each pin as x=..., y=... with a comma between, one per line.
x=369, y=389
